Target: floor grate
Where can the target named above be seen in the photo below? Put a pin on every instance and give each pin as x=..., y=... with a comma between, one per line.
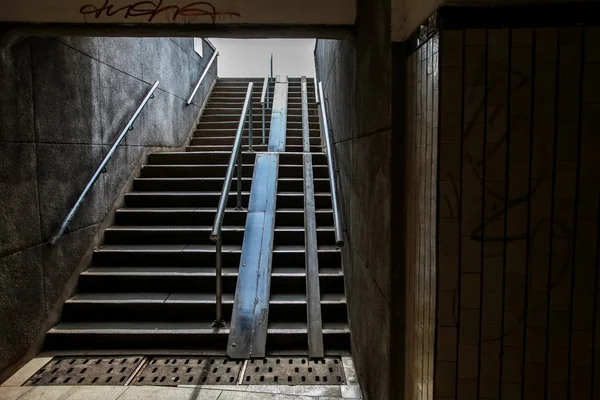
x=85, y=371
x=189, y=371
x=294, y=371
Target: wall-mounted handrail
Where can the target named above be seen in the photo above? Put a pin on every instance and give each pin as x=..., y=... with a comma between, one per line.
x=215, y=235
x=204, y=73
x=339, y=240
x=94, y=178
x=265, y=93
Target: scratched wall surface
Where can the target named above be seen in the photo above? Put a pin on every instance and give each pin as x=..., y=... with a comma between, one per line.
x=519, y=180
x=422, y=92
x=64, y=101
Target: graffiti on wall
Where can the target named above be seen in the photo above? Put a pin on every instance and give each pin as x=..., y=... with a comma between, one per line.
x=148, y=11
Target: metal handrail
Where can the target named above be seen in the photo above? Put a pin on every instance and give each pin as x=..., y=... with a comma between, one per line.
x=339, y=241
x=265, y=93
x=204, y=73
x=316, y=91
x=215, y=235
x=100, y=169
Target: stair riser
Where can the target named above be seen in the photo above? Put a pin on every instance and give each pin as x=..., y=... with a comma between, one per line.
x=167, y=184
x=257, y=117
x=188, y=312
x=256, y=124
x=185, y=171
x=201, y=140
x=205, y=218
x=334, y=343
x=202, y=237
x=294, y=149
x=256, y=132
x=214, y=185
x=211, y=200
x=176, y=218
x=182, y=200
x=218, y=171
x=233, y=109
x=197, y=284
x=157, y=258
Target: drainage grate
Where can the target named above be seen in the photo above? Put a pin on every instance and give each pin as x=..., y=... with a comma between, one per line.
x=85, y=371
x=189, y=371
x=294, y=371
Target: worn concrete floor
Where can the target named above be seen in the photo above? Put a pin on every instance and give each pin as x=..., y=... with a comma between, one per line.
x=12, y=389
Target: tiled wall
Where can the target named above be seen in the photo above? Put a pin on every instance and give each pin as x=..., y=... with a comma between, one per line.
x=519, y=172
x=421, y=193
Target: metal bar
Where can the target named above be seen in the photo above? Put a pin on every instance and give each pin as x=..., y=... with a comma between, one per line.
x=239, y=179
x=262, y=105
x=210, y=62
x=316, y=91
x=305, y=128
x=313, y=291
x=271, y=66
x=339, y=241
x=268, y=94
x=219, y=290
x=101, y=167
x=249, y=320
x=278, y=127
x=218, y=224
x=250, y=128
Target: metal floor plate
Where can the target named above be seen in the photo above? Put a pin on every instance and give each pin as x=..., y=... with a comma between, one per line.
x=163, y=371
x=294, y=371
x=85, y=371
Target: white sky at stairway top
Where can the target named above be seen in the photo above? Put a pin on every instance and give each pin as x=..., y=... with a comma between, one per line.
x=250, y=57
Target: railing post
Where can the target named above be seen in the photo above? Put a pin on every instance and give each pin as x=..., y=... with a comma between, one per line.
x=239, y=179
x=219, y=290
x=263, y=123
x=268, y=94
x=250, y=117
x=271, y=66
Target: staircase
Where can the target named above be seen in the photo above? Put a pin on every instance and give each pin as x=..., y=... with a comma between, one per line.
x=151, y=285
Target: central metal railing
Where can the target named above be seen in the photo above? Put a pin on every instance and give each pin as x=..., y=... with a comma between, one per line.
x=339, y=239
x=236, y=156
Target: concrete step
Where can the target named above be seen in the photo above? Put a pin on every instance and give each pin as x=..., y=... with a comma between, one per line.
x=216, y=184
x=199, y=234
x=211, y=199
x=206, y=216
x=222, y=157
x=203, y=255
x=282, y=336
x=219, y=170
x=183, y=306
x=291, y=149
x=256, y=139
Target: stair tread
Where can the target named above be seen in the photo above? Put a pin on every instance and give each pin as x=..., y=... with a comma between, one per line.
x=190, y=298
x=199, y=327
x=197, y=271
x=194, y=228
x=178, y=248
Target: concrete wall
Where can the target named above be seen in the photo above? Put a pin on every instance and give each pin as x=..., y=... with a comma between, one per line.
x=420, y=190
x=356, y=74
x=519, y=193
x=64, y=101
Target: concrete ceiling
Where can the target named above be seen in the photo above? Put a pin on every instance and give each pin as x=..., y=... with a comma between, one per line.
x=217, y=12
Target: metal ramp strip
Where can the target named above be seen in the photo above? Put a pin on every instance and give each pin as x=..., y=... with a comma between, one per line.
x=277, y=135
x=313, y=291
x=250, y=317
